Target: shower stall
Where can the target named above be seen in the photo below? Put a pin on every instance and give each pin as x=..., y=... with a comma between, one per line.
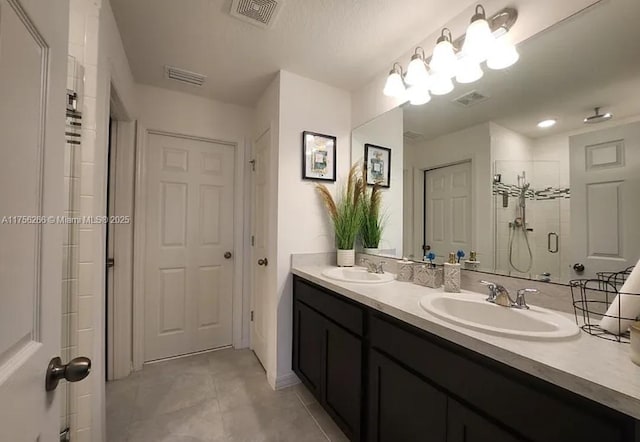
x=527, y=201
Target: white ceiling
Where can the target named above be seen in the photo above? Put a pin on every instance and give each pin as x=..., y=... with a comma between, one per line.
x=563, y=73
x=340, y=42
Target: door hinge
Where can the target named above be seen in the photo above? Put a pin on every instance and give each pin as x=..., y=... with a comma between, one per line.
x=253, y=240
x=253, y=165
x=251, y=315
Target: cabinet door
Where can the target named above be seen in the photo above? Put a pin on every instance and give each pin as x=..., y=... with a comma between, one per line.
x=308, y=347
x=464, y=425
x=402, y=405
x=343, y=378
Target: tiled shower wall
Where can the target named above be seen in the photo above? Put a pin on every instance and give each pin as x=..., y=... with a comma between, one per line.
x=72, y=153
x=544, y=214
x=83, y=47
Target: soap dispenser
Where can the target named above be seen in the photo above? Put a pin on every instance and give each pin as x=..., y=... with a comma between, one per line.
x=452, y=275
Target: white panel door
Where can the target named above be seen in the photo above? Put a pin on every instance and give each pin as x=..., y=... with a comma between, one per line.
x=33, y=63
x=448, y=209
x=189, y=241
x=605, y=189
x=259, y=255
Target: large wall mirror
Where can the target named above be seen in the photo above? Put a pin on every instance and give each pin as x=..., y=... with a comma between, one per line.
x=535, y=168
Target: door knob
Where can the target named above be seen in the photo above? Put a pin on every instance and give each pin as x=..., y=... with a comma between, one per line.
x=227, y=255
x=263, y=262
x=76, y=370
x=579, y=268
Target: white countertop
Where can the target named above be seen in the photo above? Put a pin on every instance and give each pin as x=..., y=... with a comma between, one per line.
x=595, y=368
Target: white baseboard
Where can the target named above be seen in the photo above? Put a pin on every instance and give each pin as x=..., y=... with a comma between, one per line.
x=283, y=381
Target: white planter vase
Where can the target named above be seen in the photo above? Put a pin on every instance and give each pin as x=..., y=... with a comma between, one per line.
x=369, y=251
x=346, y=258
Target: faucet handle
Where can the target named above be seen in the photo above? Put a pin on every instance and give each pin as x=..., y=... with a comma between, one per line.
x=494, y=290
x=380, y=267
x=521, y=301
x=491, y=285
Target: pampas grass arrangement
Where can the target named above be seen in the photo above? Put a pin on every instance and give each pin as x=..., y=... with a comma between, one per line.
x=373, y=220
x=346, y=212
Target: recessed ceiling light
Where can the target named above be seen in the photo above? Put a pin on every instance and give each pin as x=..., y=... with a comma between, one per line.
x=547, y=123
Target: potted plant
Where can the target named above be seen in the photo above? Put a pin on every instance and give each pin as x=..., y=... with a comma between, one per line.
x=346, y=216
x=372, y=219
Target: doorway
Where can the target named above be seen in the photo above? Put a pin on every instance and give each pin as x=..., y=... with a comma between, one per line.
x=119, y=240
x=261, y=165
x=447, y=206
x=189, y=245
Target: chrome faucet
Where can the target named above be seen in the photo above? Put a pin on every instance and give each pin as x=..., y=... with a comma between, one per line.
x=521, y=302
x=372, y=267
x=500, y=295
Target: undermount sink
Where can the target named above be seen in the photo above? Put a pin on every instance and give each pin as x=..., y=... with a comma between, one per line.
x=472, y=311
x=358, y=275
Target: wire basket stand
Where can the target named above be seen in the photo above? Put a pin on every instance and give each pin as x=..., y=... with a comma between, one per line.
x=592, y=299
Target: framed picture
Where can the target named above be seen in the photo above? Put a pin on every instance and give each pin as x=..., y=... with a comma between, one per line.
x=378, y=161
x=318, y=156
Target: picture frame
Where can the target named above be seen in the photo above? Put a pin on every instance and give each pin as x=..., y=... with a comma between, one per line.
x=318, y=156
x=378, y=164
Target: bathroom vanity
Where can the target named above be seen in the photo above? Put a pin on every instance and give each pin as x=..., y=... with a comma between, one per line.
x=385, y=370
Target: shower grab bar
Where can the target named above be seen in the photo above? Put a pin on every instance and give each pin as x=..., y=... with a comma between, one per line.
x=555, y=248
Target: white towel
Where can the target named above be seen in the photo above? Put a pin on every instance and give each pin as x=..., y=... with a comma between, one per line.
x=625, y=306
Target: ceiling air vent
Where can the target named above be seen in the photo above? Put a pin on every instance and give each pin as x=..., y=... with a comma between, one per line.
x=261, y=13
x=413, y=136
x=471, y=98
x=183, y=76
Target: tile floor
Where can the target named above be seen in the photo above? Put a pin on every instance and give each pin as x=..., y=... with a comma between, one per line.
x=212, y=397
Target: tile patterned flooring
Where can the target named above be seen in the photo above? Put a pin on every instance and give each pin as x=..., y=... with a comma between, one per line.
x=213, y=397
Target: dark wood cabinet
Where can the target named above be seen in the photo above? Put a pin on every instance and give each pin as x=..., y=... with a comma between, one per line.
x=309, y=335
x=465, y=425
x=327, y=355
x=403, y=406
x=384, y=380
x=343, y=377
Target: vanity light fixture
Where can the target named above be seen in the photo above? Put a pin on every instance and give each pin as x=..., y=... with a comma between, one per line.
x=503, y=55
x=418, y=95
x=444, y=61
x=417, y=73
x=468, y=70
x=479, y=40
x=441, y=84
x=486, y=40
x=545, y=124
x=394, y=87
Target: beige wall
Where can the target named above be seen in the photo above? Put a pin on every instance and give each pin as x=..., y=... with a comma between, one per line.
x=302, y=222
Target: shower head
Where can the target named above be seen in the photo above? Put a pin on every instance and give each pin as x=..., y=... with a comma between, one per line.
x=598, y=117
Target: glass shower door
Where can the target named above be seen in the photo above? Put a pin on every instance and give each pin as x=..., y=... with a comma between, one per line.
x=528, y=233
